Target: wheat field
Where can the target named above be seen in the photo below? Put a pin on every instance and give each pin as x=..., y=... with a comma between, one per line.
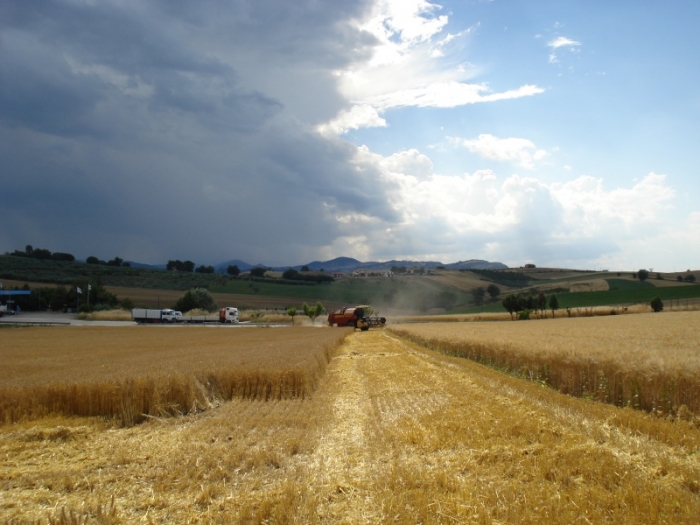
x=134, y=372
x=394, y=433
x=647, y=361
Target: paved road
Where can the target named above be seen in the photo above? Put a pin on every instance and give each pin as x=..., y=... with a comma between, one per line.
x=56, y=318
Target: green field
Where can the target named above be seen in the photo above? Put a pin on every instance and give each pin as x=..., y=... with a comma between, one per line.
x=449, y=291
x=68, y=273
x=399, y=292
x=626, y=284
x=629, y=296
x=632, y=295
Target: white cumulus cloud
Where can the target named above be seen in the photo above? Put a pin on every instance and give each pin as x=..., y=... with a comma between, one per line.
x=513, y=219
x=519, y=151
x=414, y=63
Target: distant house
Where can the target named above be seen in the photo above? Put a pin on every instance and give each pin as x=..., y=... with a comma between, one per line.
x=338, y=275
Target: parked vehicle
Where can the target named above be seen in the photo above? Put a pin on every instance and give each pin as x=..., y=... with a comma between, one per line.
x=357, y=317
x=144, y=315
x=229, y=315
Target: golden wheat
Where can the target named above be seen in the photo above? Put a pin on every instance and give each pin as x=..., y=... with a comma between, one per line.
x=647, y=361
x=394, y=434
x=106, y=315
x=131, y=373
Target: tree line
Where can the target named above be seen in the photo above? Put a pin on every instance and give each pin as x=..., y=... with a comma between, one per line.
x=43, y=254
x=84, y=295
x=522, y=305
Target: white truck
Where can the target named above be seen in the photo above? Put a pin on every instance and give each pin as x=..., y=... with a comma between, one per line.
x=144, y=315
x=227, y=315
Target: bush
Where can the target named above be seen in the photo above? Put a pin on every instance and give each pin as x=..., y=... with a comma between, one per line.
x=657, y=304
x=312, y=312
x=126, y=304
x=196, y=298
x=524, y=315
x=258, y=271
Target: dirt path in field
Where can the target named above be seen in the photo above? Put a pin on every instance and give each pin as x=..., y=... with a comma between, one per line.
x=417, y=436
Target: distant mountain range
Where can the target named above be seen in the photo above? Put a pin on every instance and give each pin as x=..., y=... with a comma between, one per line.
x=348, y=264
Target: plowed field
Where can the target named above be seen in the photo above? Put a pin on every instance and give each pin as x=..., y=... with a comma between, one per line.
x=393, y=434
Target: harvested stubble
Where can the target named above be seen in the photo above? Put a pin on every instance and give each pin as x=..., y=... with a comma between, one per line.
x=646, y=361
x=394, y=434
x=131, y=373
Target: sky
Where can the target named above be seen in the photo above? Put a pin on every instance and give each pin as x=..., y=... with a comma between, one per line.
x=561, y=133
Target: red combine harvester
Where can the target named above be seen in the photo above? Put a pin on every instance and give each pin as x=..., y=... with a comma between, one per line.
x=357, y=317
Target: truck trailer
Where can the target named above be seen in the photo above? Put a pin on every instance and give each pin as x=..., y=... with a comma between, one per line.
x=227, y=315
x=144, y=315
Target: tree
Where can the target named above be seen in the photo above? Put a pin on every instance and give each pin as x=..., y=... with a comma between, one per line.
x=553, y=304
x=204, y=269
x=292, y=312
x=312, y=312
x=679, y=278
x=657, y=304
x=690, y=278
x=180, y=266
x=92, y=260
x=305, y=268
x=117, y=261
x=59, y=299
x=258, y=271
x=41, y=253
x=197, y=298
x=493, y=290
x=512, y=303
x=541, y=302
x=233, y=270
x=529, y=303
x=290, y=273
x=643, y=275
x=60, y=256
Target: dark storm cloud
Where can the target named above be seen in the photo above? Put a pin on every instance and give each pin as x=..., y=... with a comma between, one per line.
x=159, y=130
